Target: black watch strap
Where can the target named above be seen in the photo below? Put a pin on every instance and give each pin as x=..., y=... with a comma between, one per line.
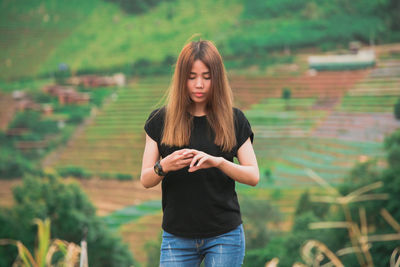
x=158, y=169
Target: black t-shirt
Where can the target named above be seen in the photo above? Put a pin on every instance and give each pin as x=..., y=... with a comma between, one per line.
x=203, y=203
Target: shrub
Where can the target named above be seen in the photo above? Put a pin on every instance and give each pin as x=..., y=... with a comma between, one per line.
x=77, y=115
x=41, y=97
x=71, y=213
x=13, y=164
x=397, y=109
x=74, y=171
x=136, y=6
x=124, y=176
x=62, y=73
x=32, y=120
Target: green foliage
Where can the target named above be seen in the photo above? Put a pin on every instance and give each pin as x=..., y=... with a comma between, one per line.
x=361, y=174
x=367, y=173
x=130, y=213
x=243, y=31
x=97, y=95
x=32, y=121
x=145, y=67
x=74, y=171
x=272, y=8
x=62, y=73
x=136, y=6
x=71, y=212
x=305, y=205
x=124, y=176
x=152, y=249
x=13, y=164
x=41, y=97
x=257, y=213
x=274, y=249
x=278, y=25
x=396, y=109
x=299, y=234
x=75, y=114
x=288, y=245
x=286, y=93
x=46, y=249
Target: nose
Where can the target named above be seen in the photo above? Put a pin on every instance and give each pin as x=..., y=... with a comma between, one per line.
x=199, y=83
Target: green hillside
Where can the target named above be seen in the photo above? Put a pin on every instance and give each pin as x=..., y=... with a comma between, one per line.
x=98, y=35
x=101, y=36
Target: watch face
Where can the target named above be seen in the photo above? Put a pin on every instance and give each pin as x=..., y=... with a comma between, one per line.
x=158, y=169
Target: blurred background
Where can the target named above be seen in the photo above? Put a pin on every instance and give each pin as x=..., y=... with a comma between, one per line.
x=319, y=82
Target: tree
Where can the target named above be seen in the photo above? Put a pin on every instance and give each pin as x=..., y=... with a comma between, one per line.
x=70, y=212
x=397, y=109
x=257, y=213
x=286, y=94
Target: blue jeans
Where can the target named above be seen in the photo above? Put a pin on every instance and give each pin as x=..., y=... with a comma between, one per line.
x=226, y=250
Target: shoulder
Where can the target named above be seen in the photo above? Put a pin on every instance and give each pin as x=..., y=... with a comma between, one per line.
x=238, y=115
x=156, y=115
x=154, y=124
x=242, y=127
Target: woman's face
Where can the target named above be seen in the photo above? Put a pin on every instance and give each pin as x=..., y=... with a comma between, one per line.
x=199, y=82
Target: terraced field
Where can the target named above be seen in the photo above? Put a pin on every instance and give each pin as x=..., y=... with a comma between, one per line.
x=331, y=121
x=113, y=141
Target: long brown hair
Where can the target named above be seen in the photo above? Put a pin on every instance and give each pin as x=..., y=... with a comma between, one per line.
x=178, y=121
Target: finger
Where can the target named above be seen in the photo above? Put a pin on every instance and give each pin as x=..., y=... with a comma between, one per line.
x=179, y=157
x=201, y=161
x=195, y=159
x=188, y=156
x=193, y=169
x=189, y=152
x=185, y=162
x=182, y=151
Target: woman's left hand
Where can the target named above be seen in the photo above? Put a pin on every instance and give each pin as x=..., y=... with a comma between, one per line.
x=203, y=160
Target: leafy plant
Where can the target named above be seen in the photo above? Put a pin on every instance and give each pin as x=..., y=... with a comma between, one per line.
x=71, y=212
x=45, y=250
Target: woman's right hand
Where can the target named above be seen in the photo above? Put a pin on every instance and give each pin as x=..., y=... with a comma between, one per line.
x=177, y=160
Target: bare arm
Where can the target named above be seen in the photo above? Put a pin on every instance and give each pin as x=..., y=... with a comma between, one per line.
x=175, y=161
x=245, y=172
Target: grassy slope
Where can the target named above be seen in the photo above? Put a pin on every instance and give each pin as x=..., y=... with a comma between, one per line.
x=31, y=30
x=38, y=35
x=108, y=37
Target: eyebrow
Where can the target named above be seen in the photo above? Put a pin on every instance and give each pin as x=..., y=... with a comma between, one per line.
x=202, y=73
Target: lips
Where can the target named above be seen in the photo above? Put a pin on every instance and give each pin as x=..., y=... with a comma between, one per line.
x=199, y=94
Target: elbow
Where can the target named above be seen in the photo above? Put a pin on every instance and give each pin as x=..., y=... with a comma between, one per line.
x=256, y=178
x=255, y=181
x=143, y=182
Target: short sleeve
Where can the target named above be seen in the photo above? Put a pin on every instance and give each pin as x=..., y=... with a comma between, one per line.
x=242, y=128
x=154, y=125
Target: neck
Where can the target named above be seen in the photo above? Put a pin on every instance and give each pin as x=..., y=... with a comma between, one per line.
x=198, y=110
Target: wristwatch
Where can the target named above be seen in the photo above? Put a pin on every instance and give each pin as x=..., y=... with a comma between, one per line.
x=158, y=169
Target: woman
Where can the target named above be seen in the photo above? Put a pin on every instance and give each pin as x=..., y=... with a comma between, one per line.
x=197, y=134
